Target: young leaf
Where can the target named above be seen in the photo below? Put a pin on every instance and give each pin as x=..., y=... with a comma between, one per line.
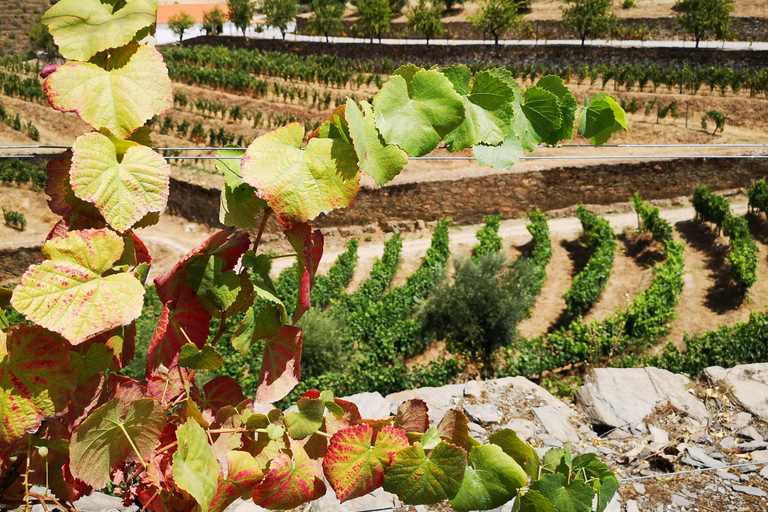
x=35, y=380
x=575, y=497
x=124, y=191
x=307, y=420
x=413, y=416
x=513, y=446
x=121, y=100
x=552, y=460
x=597, y=474
x=454, y=428
x=487, y=104
x=108, y=435
x=418, y=479
x=542, y=109
x=501, y=157
x=239, y=202
x=381, y=161
x=298, y=185
x=63, y=200
x=568, y=106
x=243, y=472
x=216, y=289
x=492, y=480
x=336, y=129
x=600, y=117
x=267, y=324
x=280, y=365
x=222, y=391
x=182, y=320
x=68, y=293
x=287, y=486
x=195, y=468
x=83, y=28
x=417, y=111
x=534, y=501
x=354, y=466
x=206, y=358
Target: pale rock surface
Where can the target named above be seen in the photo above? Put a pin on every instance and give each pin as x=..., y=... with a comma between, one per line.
x=371, y=405
x=439, y=400
x=473, y=388
x=619, y=396
x=748, y=383
x=556, y=423
x=483, y=413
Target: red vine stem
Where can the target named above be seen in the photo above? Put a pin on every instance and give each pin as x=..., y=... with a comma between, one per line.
x=263, y=226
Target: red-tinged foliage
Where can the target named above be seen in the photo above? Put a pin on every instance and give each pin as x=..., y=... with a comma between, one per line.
x=243, y=472
x=182, y=321
x=308, y=244
x=288, y=484
x=413, y=416
x=280, y=365
x=454, y=428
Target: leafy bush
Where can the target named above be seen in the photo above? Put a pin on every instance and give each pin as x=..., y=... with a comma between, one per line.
x=333, y=284
x=15, y=220
x=716, y=117
x=21, y=172
x=710, y=207
x=382, y=272
x=743, y=253
x=322, y=348
x=758, y=195
x=589, y=283
x=488, y=236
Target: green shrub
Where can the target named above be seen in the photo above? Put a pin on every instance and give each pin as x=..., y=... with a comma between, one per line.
x=15, y=220
x=322, y=348
x=145, y=330
x=488, y=236
x=743, y=253
x=710, y=207
x=378, y=281
x=333, y=284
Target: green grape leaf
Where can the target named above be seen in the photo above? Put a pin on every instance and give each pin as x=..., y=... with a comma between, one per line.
x=298, y=184
x=501, y=157
x=35, y=380
x=379, y=160
x=336, y=129
x=102, y=440
x=83, y=28
x=588, y=468
x=418, y=479
x=239, y=202
x=258, y=270
x=87, y=363
x=534, y=501
x=354, y=465
x=430, y=439
x=289, y=483
x=568, y=107
x=195, y=468
x=243, y=472
x=254, y=327
x=280, y=365
x=516, y=448
x=307, y=420
x=600, y=117
x=454, y=428
x=488, y=108
x=121, y=100
x=492, y=480
x=552, y=460
x=574, y=497
x=216, y=289
x=68, y=292
x=417, y=111
x=542, y=109
x=619, y=123
x=194, y=358
x=124, y=191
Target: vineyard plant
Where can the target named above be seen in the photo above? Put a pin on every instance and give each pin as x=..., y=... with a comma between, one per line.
x=74, y=424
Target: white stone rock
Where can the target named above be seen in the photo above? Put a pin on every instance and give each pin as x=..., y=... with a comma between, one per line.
x=376, y=500
x=525, y=429
x=556, y=423
x=483, y=413
x=749, y=384
x=631, y=506
x=760, y=456
x=371, y=405
x=439, y=400
x=473, y=388
x=658, y=435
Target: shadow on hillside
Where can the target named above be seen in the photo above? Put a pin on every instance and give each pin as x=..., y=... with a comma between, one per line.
x=758, y=227
x=641, y=247
x=723, y=295
x=579, y=256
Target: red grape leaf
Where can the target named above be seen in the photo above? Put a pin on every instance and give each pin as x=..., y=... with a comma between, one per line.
x=454, y=428
x=308, y=244
x=421, y=479
x=220, y=392
x=181, y=320
x=412, y=416
x=288, y=484
x=243, y=473
x=280, y=365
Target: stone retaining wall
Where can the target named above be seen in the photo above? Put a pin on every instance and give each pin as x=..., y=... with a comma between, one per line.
x=14, y=262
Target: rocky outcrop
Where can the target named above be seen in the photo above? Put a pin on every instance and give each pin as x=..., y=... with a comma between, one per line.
x=748, y=383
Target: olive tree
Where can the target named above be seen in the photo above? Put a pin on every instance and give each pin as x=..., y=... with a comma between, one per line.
x=425, y=18
x=326, y=18
x=374, y=16
x=700, y=18
x=240, y=12
x=496, y=17
x=588, y=18
x=180, y=23
x=278, y=13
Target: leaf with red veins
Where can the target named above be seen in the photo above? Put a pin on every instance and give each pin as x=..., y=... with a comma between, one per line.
x=220, y=392
x=412, y=416
x=243, y=473
x=127, y=389
x=86, y=397
x=170, y=283
x=179, y=320
x=35, y=380
x=280, y=365
x=355, y=464
x=454, y=428
x=167, y=382
x=308, y=244
x=288, y=485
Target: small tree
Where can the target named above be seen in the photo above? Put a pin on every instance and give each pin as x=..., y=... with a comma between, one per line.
x=700, y=18
x=588, y=18
x=374, y=16
x=425, y=18
x=278, y=13
x=213, y=21
x=41, y=39
x=241, y=13
x=496, y=17
x=450, y=3
x=179, y=23
x=326, y=18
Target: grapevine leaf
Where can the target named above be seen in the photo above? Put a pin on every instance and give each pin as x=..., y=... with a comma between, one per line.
x=298, y=185
x=308, y=244
x=354, y=466
x=487, y=104
x=412, y=416
x=454, y=428
x=243, y=472
x=35, y=380
x=123, y=191
x=419, y=479
x=492, y=480
x=216, y=289
x=280, y=365
x=194, y=358
x=222, y=391
x=258, y=270
x=68, y=293
x=542, y=109
x=307, y=420
x=588, y=467
x=336, y=129
x=620, y=122
x=181, y=321
x=430, y=438
x=195, y=468
x=600, y=117
x=102, y=440
x=121, y=100
x=534, y=501
x=552, y=460
x=501, y=157
x=381, y=161
x=568, y=107
x=513, y=446
x=239, y=202
x=574, y=497
x=63, y=200
x=255, y=327
x=88, y=361
x=82, y=28
x=288, y=484
x=417, y=111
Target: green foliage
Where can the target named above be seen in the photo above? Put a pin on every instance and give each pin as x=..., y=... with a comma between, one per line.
x=278, y=13
x=213, y=21
x=715, y=116
x=374, y=17
x=425, y=18
x=332, y=285
x=758, y=195
x=497, y=17
x=21, y=173
x=327, y=18
x=488, y=236
x=241, y=12
x=702, y=18
x=41, y=39
x=710, y=207
x=14, y=219
x=323, y=350
x=179, y=23
x=382, y=272
x=589, y=283
x=588, y=18
x=743, y=254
